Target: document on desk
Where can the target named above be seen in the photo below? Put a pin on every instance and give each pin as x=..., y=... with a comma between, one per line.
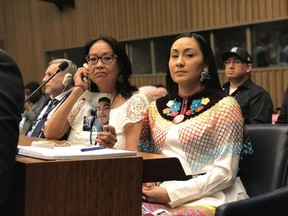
x=72, y=152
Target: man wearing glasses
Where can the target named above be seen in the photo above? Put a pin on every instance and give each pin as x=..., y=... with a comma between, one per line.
x=255, y=102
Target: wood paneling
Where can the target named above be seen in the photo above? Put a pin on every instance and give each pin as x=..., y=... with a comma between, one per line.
x=32, y=27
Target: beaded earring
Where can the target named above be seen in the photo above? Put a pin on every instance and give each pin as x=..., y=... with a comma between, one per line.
x=205, y=74
x=120, y=78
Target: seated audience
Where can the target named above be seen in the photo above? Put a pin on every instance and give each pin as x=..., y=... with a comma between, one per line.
x=109, y=69
x=283, y=116
x=11, y=107
x=148, y=91
x=197, y=123
x=59, y=88
x=161, y=91
x=255, y=102
x=32, y=106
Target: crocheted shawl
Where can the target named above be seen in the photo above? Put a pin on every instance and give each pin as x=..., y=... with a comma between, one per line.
x=210, y=126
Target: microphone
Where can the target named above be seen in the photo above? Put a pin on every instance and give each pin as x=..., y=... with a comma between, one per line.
x=61, y=67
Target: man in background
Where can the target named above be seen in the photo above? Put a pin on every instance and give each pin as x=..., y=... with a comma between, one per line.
x=32, y=106
x=11, y=107
x=59, y=88
x=255, y=102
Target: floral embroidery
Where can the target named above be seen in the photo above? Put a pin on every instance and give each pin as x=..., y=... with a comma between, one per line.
x=195, y=104
x=205, y=101
x=174, y=106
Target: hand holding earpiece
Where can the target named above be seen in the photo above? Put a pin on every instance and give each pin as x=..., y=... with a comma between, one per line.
x=78, y=78
x=85, y=78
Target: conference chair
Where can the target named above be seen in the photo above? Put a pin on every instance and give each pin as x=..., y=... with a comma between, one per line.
x=264, y=174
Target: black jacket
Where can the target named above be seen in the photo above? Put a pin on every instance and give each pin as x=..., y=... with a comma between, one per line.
x=11, y=107
x=255, y=102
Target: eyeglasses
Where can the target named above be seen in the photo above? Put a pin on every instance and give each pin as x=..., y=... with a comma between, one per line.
x=234, y=61
x=105, y=59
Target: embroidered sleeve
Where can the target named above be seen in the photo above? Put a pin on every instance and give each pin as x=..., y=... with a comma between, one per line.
x=135, y=108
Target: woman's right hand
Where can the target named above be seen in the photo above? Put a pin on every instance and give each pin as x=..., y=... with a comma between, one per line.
x=78, y=77
x=107, y=137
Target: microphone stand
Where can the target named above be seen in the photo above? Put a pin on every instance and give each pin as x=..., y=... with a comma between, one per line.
x=41, y=85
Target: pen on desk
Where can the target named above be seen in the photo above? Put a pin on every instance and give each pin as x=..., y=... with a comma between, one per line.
x=92, y=148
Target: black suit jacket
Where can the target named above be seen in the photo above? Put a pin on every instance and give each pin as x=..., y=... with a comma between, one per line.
x=11, y=107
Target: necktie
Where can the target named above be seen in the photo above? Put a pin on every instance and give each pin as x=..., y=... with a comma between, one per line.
x=38, y=130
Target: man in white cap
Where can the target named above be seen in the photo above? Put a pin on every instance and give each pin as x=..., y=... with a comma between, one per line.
x=255, y=102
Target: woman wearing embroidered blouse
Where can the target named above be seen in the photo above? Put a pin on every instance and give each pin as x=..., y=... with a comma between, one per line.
x=202, y=127
x=109, y=69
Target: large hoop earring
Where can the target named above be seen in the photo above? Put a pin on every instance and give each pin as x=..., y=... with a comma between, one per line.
x=205, y=74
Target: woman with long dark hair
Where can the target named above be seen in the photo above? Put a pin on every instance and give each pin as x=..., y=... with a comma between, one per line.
x=200, y=126
x=109, y=69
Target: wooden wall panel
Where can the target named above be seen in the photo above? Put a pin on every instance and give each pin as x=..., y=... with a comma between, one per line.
x=32, y=27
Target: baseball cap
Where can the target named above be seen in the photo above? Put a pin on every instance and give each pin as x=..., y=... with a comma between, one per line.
x=238, y=51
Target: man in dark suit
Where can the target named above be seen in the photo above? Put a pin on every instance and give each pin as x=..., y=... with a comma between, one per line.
x=11, y=107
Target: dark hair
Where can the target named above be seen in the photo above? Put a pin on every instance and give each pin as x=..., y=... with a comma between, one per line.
x=208, y=56
x=125, y=89
x=32, y=86
x=105, y=99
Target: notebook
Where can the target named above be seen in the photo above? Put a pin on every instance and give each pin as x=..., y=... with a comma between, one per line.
x=71, y=152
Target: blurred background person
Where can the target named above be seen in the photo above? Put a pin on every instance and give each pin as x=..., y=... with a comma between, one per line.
x=283, y=116
x=152, y=92
x=161, y=91
x=32, y=106
x=148, y=91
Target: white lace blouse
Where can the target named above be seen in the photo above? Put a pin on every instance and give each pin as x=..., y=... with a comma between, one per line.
x=131, y=111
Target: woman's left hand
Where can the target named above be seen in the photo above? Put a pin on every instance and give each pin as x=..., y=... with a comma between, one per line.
x=107, y=137
x=155, y=194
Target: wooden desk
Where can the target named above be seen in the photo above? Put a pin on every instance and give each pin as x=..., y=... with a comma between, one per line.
x=80, y=187
x=86, y=187
x=156, y=168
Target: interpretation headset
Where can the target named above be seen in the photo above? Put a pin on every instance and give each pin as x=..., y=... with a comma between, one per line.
x=67, y=80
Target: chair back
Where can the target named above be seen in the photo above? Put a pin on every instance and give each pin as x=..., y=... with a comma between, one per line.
x=266, y=169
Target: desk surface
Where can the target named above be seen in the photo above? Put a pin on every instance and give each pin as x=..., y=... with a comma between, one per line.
x=156, y=168
x=102, y=186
